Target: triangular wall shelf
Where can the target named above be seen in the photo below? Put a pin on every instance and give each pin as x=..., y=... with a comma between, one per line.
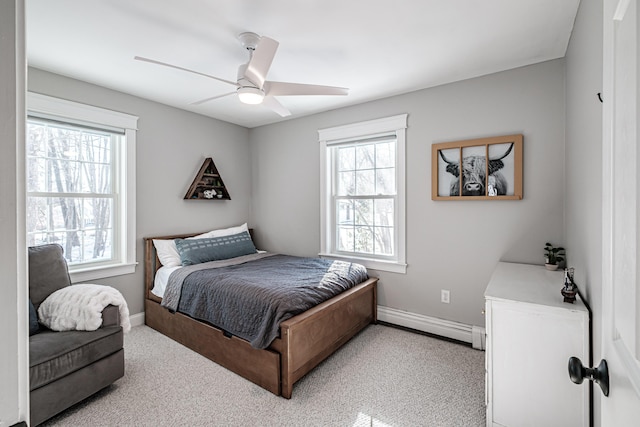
x=208, y=184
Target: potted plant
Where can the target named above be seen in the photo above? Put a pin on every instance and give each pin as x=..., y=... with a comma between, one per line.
x=553, y=256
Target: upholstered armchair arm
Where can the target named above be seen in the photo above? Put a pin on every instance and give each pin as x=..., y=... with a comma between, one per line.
x=110, y=316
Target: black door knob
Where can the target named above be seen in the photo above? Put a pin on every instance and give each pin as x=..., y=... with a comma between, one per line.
x=600, y=374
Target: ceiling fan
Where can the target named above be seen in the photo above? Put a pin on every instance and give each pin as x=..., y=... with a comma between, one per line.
x=251, y=85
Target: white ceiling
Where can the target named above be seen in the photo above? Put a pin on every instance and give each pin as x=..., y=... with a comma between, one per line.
x=376, y=48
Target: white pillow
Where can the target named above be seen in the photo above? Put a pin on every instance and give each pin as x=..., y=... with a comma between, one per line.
x=225, y=231
x=168, y=253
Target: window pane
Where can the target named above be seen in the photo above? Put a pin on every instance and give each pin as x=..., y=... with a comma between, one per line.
x=365, y=155
x=386, y=155
x=384, y=212
x=63, y=213
x=346, y=183
x=345, y=212
x=97, y=163
x=96, y=178
x=97, y=148
x=346, y=239
x=365, y=184
x=97, y=232
x=36, y=136
x=346, y=158
x=37, y=219
x=63, y=176
x=84, y=227
x=364, y=212
x=385, y=181
x=35, y=239
x=36, y=174
x=364, y=240
x=384, y=240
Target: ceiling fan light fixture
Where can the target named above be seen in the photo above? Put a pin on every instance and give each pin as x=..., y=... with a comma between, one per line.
x=250, y=95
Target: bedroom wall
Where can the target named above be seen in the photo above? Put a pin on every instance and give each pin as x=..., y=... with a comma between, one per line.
x=583, y=195
x=171, y=146
x=450, y=245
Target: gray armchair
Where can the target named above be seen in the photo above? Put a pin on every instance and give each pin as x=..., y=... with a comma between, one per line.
x=67, y=367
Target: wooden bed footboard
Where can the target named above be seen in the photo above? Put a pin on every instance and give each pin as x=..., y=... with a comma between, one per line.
x=305, y=340
x=312, y=336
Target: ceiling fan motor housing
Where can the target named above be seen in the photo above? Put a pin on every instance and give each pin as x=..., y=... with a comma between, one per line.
x=249, y=40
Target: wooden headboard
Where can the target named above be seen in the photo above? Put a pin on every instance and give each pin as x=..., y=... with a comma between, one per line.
x=152, y=262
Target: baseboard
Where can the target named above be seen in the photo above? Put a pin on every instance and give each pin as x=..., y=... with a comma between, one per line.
x=479, y=336
x=445, y=328
x=137, y=319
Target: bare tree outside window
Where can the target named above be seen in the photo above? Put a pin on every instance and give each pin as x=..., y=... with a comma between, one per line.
x=70, y=193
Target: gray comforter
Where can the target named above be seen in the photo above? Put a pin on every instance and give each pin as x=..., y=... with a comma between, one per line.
x=249, y=296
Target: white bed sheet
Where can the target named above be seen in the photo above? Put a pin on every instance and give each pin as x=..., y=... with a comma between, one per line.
x=161, y=280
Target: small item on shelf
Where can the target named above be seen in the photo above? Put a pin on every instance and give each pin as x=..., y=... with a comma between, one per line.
x=570, y=289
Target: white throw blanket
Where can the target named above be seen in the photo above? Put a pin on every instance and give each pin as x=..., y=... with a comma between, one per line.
x=79, y=307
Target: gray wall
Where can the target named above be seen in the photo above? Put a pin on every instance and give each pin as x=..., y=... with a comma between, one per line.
x=450, y=245
x=171, y=146
x=583, y=194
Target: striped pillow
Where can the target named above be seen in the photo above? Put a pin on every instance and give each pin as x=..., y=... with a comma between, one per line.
x=196, y=251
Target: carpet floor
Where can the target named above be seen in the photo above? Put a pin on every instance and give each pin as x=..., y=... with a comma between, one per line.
x=383, y=377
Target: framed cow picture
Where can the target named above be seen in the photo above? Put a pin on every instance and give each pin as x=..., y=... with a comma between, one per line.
x=477, y=169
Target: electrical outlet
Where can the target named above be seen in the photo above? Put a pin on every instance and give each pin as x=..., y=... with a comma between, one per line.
x=445, y=296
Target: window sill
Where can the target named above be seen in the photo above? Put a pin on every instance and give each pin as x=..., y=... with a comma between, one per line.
x=100, y=272
x=373, y=264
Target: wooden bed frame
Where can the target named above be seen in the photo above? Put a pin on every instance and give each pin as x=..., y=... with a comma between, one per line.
x=305, y=340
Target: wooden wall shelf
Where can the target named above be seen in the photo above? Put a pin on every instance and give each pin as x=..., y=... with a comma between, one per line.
x=208, y=184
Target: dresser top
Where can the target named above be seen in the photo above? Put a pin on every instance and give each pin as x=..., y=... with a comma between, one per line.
x=532, y=284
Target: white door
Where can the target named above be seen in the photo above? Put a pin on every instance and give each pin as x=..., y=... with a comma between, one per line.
x=621, y=277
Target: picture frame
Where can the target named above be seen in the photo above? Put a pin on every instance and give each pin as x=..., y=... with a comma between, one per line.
x=491, y=169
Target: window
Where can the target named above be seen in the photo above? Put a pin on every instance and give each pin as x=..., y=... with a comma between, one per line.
x=363, y=186
x=80, y=185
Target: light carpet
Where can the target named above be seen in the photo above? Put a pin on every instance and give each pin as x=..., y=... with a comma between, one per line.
x=383, y=377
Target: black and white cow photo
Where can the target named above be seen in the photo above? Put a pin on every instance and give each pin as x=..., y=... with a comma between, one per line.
x=474, y=178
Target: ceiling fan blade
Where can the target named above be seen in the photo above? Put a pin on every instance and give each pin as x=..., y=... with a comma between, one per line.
x=202, y=101
x=292, y=89
x=153, y=61
x=261, y=60
x=275, y=105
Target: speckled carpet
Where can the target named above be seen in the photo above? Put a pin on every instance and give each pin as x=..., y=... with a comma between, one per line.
x=383, y=377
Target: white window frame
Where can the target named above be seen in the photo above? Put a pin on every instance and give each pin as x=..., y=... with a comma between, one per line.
x=125, y=222
x=333, y=136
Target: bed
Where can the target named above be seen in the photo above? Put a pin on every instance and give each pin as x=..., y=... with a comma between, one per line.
x=302, y=342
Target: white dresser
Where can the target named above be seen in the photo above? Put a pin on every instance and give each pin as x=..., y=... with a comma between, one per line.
x=531, y=333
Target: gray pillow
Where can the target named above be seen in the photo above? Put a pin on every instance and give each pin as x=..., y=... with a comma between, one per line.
x=47, y=272
x=196, y=251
